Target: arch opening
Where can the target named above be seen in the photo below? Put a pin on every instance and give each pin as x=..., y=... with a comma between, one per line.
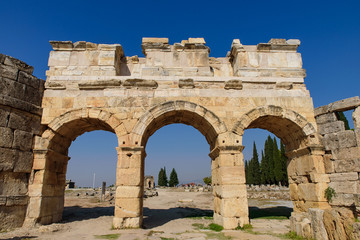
x=48, y=177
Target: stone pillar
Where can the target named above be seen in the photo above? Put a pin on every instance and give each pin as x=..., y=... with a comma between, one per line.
x=228, y=176
x=129, y=187
x=46, y=188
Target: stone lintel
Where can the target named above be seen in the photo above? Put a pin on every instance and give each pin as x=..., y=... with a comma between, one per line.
x=155, y=40
x=54, y=85
x=131, y=149
x=338, y=106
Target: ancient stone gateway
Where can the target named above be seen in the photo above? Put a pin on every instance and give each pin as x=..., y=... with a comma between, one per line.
x=96, y=87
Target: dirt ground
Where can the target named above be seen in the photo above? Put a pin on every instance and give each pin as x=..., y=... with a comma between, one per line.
x=171, y=215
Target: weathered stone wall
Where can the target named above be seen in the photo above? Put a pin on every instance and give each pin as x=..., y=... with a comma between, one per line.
x=342, y=165
x=20, y=116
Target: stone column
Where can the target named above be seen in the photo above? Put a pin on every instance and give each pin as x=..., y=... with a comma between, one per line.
x=129, y=187
x=228, y=177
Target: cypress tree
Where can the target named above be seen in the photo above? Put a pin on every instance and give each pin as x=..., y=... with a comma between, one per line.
x=174, y=181
x=262, y=168
x=250, y=172
x=165, y=180
x=265, y=166
x=284, y=164
x=272, y=161
x=278, y=172
x=161, y=177
x=341, y=116
x=246, y=172
x=256, y=166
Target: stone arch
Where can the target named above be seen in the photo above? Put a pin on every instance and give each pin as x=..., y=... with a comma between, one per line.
x=305, y=152
x=47, y=180
x=184, y=112
x=130, y=181
x=292, y=128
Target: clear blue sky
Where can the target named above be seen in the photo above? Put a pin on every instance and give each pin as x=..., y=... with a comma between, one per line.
x=329, y=32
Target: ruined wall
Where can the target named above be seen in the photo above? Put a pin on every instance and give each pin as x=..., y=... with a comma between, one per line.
x=342, y=164
x=20, y=115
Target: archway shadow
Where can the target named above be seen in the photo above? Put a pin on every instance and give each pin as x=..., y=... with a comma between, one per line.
x=158, y=217
x=279, y=211
x=76, y=213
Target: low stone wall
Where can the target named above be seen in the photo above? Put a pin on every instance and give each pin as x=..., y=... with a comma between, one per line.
x=268, y=192
x=20, y=115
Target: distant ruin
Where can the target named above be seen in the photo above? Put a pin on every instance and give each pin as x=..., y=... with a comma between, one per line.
x=96, y=87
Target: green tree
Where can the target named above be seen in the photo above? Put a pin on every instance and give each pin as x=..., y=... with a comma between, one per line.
x=174, y=181
x=284, y=160
x=278, y=169
x=263, y=167
x=165, y=179
x=246, y=172
x=256, y=173
x=207, y=180
x=250, y=172
x=161, y=177
x=341, y=116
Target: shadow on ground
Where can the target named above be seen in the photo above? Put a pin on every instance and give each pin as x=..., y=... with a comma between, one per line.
x=77, y=213
x=158, y=217
x=280, y=211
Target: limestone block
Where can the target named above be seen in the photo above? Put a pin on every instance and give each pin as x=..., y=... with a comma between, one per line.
x=293, y=189
x=12, y=89
x=106, y=58
x=11, y=217
x=312, y=191
x=17, y=200
x=8, y=72
x=331, y=127
x=277, y=60
x=317, y=224
x=331, y=141
x=234, y=207
x=128, y=207
x=129, y=177
x=7, y=159
x=4, y=117
x=319, y=177
x=155, y=40
x=25, y=122
x=346, y=153
x=24, y=162
x=344, y=104
x=22, y=66
x=6, y=137
x=59, y=58
x=343, y=199
x=329, y=164
x=231, y=175
x=325, y=118
x=294, y=60
x=29, y=80
x=22, y=140
x=340, y=177
x=119, y=222
x=196, y=40
x=356, y=117
x=128, y=192
x=16, y=183
x=344, y=187
x=351, y=165
x=231, y=191
x=347, y=139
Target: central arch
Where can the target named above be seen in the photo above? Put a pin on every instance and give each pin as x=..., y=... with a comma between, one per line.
x=129, y=202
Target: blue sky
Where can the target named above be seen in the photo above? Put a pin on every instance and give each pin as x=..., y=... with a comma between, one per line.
x=329, y=32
